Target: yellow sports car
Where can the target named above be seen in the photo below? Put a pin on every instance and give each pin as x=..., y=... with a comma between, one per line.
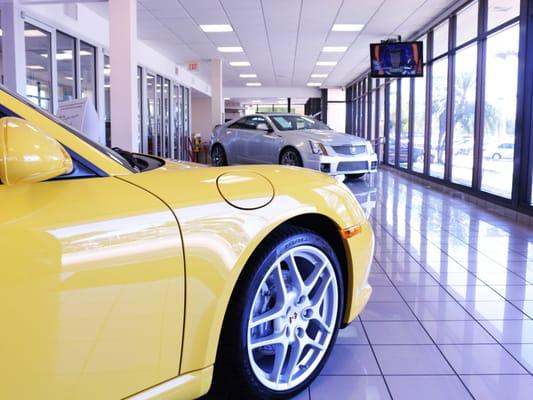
x=128, y=276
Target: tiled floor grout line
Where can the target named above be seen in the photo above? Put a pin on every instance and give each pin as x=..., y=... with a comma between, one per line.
x=376, y=358
x=434, y=343
x=468, y=312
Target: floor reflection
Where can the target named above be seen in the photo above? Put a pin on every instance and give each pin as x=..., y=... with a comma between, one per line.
x=452, y=308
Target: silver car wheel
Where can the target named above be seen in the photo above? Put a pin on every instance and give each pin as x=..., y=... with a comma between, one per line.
x=290, y=157
x=292, y=318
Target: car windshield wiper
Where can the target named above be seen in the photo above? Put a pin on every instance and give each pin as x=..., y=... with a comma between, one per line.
x=129, y=157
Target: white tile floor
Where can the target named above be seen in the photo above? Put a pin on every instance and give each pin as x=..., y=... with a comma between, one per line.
x=452, y=308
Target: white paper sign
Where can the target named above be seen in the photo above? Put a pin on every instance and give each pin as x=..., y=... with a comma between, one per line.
x=81, y=115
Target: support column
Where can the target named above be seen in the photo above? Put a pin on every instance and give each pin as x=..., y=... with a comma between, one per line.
x=288, y=104
x=14, y=55
x=217, y=101
x=123, y=62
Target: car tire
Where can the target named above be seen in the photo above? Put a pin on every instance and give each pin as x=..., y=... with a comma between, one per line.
x=355, y=176
x=290, y=157
x=496, y=156
x=279, y=358
x=218, y=156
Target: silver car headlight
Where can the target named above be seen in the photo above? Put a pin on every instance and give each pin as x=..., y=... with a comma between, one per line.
x=318, y=148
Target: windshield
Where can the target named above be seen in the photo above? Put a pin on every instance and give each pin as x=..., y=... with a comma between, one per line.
x=103, y=149
x=297, y=122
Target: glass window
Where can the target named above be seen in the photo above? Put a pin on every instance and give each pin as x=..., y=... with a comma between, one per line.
x=88, y=72
x=139, y=106
x=419, y=124
x=178, y=145
x=373, y=116
x=66, y=67
x=107, y=96
x=464, y=115
x=1, y=53
x=438, y=118
x=186, y=127
x=467, y=23
x=500, y=112
x=404, y=125
x=159, y=115
x=381, y=132
x=440, y=39
x=501, y=11
x=38, y=66
x=166, y=118
x=150, y=109
x=393, y=90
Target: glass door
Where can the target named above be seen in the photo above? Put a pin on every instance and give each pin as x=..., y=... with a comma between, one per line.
x=159, y=116
x=150, y=111
x=166, y=119
x=176, y=134
x=186, y=130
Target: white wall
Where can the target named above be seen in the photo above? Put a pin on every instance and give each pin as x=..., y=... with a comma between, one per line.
x=201, y=117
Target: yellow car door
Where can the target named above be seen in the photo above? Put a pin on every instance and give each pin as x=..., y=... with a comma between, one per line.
x=91, y=290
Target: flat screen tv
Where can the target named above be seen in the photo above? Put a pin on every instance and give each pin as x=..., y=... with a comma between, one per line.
x=396, y=60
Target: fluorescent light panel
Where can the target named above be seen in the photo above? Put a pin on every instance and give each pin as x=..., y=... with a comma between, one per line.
x=256, y=101
x=235, y=49
x=326, y=63
x=34, y=33
x=319, y=75
x=314, y=84
x=239, y=63
x=253, y=84
x=248, y=76
x=334, y=49
x=347, y=27
x=213, y=28
x=35, y=67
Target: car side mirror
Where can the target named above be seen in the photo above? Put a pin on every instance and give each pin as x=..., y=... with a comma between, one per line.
x=263, y=127
x=28, y=154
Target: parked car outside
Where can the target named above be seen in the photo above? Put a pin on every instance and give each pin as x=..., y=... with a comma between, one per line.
x=291, y=139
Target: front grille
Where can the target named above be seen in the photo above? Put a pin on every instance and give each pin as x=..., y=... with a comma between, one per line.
x=346, y=166
x=350, y=150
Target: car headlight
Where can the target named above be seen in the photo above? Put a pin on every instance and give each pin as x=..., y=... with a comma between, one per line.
x=318, y=148
x=369, y=148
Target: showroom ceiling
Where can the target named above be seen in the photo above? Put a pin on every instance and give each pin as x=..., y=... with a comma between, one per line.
x=283, y=40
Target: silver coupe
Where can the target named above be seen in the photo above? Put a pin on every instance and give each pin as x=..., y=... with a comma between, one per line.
x=291, y=139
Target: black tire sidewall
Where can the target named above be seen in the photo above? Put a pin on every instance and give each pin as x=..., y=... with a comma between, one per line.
x=253, y=386
x=223, y=154
x=295, y=152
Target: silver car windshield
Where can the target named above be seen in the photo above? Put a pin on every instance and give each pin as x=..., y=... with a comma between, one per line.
x=297, y=122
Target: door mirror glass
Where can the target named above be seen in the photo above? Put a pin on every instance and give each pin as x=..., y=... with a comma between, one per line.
x=28, y=154
x=262, y=126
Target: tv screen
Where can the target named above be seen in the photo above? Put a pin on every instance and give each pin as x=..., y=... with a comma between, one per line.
x=396, y=60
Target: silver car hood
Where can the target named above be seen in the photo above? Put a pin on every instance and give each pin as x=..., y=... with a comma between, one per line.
x=327, y=137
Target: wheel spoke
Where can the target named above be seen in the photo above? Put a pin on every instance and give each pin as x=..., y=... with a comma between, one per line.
x=273, y=339
x=297, y=348
x=280, y=357
x=313, y=279
x=279, y=282
x=322, y=325
x=268, y=316
x=319, y=294
x=295, y=273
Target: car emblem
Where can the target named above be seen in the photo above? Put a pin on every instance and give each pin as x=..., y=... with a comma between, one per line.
x=293, y=317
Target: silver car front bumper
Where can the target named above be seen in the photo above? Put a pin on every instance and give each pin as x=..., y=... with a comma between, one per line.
x=337, y=165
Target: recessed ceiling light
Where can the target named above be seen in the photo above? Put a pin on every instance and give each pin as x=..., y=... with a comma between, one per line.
x=69, y=78
x=326, y=63
x=86, y=53
x=248, y=76
x=63, y=56
x=235, y=49
x=34, y=33
x=256, y=101
x=334, y=49
x=282, y=101
x=1, y=32
x=314, y=84
x=319, y=75
x=216, y=28
x=227, y=98
x=253, y=84
x=347, y=27
x=35, y=67
x=239, y=63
